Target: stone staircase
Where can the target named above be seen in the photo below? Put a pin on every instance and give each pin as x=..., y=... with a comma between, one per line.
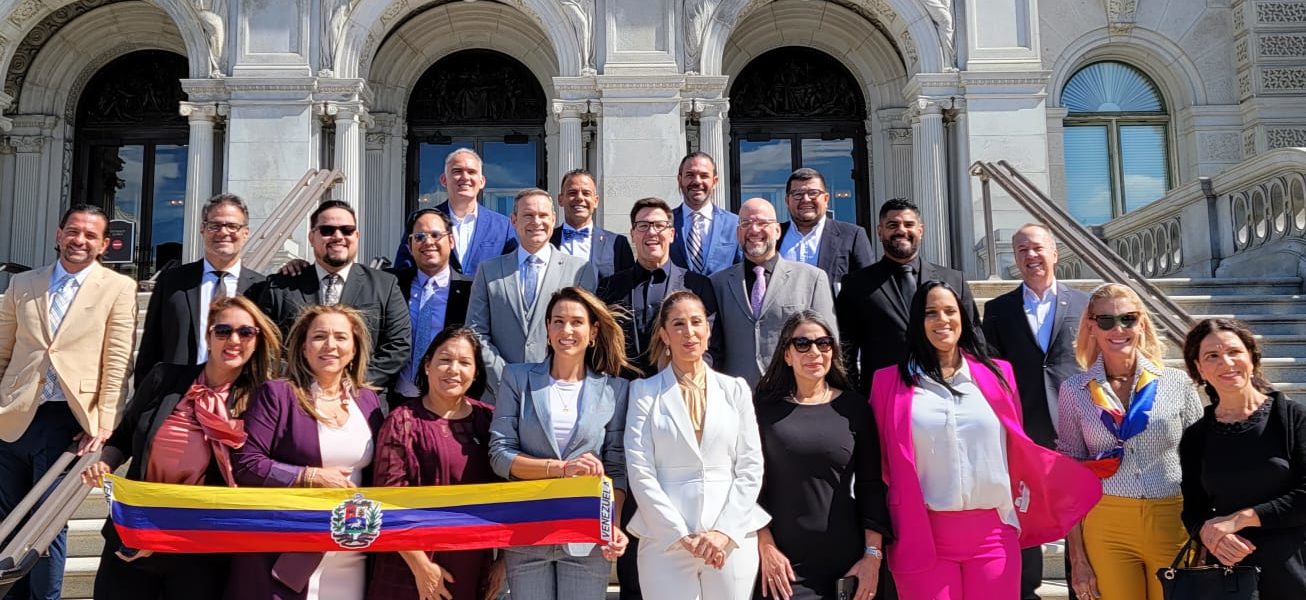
x=1270, y=306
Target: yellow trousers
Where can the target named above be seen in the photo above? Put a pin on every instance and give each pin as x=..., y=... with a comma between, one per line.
x=1128, y=539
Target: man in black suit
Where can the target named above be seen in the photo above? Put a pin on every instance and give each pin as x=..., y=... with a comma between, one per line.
x=607, y=251
x=1033, y=327
x=832, y=246
x=872, y=307
x=336, y=279
x=437, y=295
x=177, y=318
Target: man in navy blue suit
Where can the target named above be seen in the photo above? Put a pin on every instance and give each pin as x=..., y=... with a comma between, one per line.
x=811, y=237
x=478, y=232
x=705, y=233
x=608, y=252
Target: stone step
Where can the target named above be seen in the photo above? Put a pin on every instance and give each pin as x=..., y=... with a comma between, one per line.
x=1279, y=370
x=1240, y=304
x=1271, y=346
x=1271, y=324
x=1227, y=286
x=84, y=539
x=79, y=577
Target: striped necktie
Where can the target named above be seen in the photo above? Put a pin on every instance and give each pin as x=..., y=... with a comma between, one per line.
x=59, y=301
x=695, y=242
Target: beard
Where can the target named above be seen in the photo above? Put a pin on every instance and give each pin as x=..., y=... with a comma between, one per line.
x=335, y=262
x=903, y=251
x=758, y=249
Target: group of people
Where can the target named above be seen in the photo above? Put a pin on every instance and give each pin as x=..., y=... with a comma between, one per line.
x=782, y=416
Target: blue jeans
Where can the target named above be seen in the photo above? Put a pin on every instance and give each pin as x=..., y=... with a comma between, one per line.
x=549, y=573
x=22, y=463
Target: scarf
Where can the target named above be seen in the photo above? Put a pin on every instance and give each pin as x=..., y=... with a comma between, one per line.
x=1123, y=424
x=221, y=431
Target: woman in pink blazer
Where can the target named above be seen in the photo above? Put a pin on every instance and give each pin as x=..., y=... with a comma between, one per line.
x=967, y=488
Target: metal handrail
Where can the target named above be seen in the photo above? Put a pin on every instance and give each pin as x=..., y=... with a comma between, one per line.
x=1172, y=320
x=303, y=197
x=59, y=492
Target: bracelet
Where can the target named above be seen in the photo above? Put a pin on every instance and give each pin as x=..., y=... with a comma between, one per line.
x=548, y=466
x=874, y=552
x=312, y=477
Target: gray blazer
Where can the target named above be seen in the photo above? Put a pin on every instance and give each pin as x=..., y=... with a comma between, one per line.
x=750, y=340
x=494, y=311
x=523, y=421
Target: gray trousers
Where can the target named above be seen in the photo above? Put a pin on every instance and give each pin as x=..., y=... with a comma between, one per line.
x=549, y=573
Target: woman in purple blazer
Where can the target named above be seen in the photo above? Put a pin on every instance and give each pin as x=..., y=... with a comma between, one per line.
x=315, y=428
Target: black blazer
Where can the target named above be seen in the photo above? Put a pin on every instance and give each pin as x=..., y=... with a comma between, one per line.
x=845, y=248
x=1038, y=375
x=609, y=251
x=374, y=293
x=460, y=289
x=616, y=290
x=171, y=333
x=873, y=319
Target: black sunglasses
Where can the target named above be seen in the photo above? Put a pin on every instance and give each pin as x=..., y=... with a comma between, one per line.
x=223, y=331
x=330, y=230
x=824, y=343
x=1108, y=322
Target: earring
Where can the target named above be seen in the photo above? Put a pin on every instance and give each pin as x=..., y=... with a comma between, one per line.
x=668, y=352
x=593, y=342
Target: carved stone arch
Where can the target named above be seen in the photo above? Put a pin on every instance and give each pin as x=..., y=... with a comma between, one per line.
x=909, y=28
x=1155, y=55
x=372, y=22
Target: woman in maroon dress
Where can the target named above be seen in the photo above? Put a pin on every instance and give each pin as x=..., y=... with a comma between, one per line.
x=441, y=439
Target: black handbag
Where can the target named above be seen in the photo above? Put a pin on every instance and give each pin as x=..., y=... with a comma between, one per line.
x=1196, y=580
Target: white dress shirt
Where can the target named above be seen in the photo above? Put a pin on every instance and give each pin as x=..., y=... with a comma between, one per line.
x=961, y=448
x=544, y=255
x=1040, y=312
x=208, y=282
x=579, y=247
x=802, y=248
x=463, y=229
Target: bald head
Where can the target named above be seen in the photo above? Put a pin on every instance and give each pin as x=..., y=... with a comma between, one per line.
x=758, y=230
x=1036, y=256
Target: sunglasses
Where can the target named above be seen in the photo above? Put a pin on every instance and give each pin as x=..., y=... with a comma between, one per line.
x=803, y=345
x=330, y=230
x=1108, y=322
x=420, y=237
x=224, y=331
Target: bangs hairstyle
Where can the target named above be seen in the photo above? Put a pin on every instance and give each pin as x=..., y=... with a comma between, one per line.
x=1149, y=343
x=607, y=355
x=449, y=334
x=922, y=354
x=297, y=370
x=658, y=352
x=263, y=363
x=1193, y=351
x=779, y=382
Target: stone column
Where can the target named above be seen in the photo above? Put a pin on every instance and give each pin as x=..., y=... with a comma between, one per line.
x=712, y=140
x=30, y=237
x=349, y=118
x=571, y=148
x=379, y=205
x=930, y=176
x=199, y=173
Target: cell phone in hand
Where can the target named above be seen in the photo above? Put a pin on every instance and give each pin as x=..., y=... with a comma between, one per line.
x=846, y=587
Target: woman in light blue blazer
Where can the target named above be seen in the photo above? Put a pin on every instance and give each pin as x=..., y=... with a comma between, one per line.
x=694, y=460
x=565, y=417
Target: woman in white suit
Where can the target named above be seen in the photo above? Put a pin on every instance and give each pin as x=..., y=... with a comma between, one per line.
x=694, y=464
x=564, y=417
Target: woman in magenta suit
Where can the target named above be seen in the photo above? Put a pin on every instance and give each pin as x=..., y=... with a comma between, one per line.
x=967, y=488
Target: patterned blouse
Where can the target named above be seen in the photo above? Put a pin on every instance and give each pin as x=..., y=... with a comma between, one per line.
x=1150, y=466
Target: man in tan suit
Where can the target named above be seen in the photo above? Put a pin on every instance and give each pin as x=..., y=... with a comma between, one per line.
x=66, y=335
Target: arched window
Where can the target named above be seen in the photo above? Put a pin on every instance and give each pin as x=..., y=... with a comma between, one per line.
x=1116, y=150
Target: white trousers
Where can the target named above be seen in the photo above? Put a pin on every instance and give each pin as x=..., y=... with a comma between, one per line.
x=677, y=575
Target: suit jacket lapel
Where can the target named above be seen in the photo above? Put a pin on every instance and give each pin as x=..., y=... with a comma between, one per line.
x=736, y=285
x=1062, y=314
x=779, y=280
x=1021, y=322
x=588, y=413
x=551, y=279
x=508, y=275
x=674, y=405
x=195, y=303
x=87, y=297
x=353, y=290
x=826, y=250
x=678, y=245
x=247, y=279
x=537, y=381
x=889, y=289
x=41, y=291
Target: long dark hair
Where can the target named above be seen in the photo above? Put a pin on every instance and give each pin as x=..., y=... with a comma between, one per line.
x=921, y=353
x=779, y=381
x=452, y=332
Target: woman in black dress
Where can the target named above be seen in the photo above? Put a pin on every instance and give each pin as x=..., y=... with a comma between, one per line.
x=1243, y=462
x=819, y=442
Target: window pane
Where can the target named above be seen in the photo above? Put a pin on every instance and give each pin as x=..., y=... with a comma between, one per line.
x=430, y=166
x=1111, y=87
x=1142, y=154
x=763, y=169
x=122, y=171
x=509, y=168
x=1088, y=174
x=834, y=159
x=169, y=203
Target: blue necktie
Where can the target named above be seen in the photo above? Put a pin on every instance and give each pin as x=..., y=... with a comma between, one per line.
x=59, y=301
x=530, y=278
x=426, y=326
x=575, y=234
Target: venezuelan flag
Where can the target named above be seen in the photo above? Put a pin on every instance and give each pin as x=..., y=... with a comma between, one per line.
x=192, y=518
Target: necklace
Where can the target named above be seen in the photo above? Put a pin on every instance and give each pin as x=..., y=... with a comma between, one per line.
x=824, y=397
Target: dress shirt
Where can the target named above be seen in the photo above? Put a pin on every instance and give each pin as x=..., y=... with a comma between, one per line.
x=1041, y=312
x=420, y=292
x=802, y=248
x=55, y=277
x=564, y=410
x=579, y=247
x=961, y=447
x=463, y=229
x=343, y=273
x=207, y=283
x=544, y=255
x=688, y=221
x=750, y=277
x=651, y=287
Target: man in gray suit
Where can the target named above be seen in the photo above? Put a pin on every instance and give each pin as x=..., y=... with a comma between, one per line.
x=755, y=296
x=511, y=292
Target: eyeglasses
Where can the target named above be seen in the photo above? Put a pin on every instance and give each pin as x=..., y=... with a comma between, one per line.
x=216, y=226
x=654, y=226
x=809, y=194
x=421, y=236
x=1108, y=322
x=224, y=331
x=758, y=223
x=803, y=345
x=330, y=230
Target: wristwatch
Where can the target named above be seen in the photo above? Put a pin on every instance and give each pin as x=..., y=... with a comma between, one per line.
x=875, y=552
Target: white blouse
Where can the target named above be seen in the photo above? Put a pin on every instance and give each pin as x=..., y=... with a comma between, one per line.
x=961, y=448
x=564, y=405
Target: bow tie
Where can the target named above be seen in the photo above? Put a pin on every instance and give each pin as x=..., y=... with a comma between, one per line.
x=575, y=234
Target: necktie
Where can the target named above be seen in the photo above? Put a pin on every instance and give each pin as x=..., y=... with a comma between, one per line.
x=331, y=289
x=426, y=325
x=59, y=301
x=530, y=278
x=696, y=242
x=759, y=289
x=907, y=284
x=220, y=290
x=575, y=234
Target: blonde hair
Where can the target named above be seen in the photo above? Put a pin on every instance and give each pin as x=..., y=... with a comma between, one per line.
x=1149, y=343
x=263, y=363
x=299, y=374
x=659, y=352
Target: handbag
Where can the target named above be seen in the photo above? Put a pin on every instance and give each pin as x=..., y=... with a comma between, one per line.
x=1196, y=580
